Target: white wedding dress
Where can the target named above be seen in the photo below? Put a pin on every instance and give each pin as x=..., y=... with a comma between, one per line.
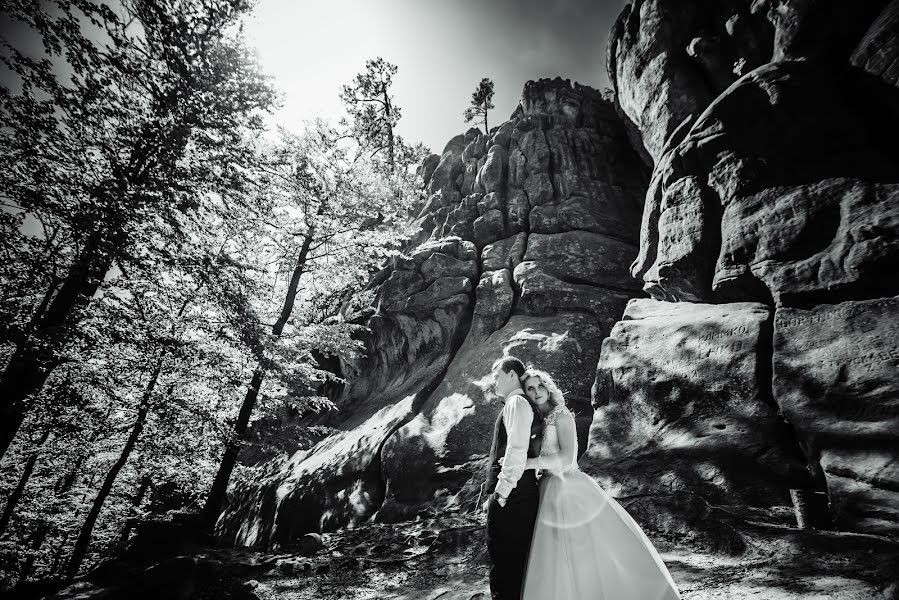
x=585, y=545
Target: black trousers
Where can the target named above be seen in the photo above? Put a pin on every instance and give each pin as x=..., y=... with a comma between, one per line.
x=509, y=532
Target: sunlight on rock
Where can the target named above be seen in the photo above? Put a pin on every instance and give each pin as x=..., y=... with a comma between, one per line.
x=359, y=500
x=710, y=473
x=449, y=412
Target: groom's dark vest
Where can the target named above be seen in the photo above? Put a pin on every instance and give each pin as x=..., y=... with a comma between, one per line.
x=497, y=449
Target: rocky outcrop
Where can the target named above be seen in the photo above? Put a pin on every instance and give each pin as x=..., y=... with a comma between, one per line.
x=836, y=380
x=522, y=247
x=770, y=128
x=684, y=404
x=766, y=235
x=781, y=188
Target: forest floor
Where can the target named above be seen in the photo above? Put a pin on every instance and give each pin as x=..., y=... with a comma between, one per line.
x=445, y=558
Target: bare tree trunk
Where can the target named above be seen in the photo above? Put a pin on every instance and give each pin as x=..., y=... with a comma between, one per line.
x=390, y=152
x=37, y=540
x=218, y=493
x=57, y=555
x=34, y=359
x=23, y=481
x=87, y=529
x=145, y=483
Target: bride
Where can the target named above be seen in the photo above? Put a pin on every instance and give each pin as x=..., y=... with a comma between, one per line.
x=585, y=545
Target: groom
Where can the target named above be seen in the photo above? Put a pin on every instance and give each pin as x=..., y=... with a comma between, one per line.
x=512, y=506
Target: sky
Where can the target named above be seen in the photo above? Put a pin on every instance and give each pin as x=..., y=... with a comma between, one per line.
x=442, y=49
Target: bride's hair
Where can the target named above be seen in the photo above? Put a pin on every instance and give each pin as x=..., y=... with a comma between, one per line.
x=555, y=394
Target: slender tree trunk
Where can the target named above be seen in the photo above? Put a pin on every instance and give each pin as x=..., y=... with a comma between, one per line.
x=218, y=493
x=145, y=483
x=37, y=540
x=57, y=555
x=23, y=481
x=387, y=107
x=87, y=529
x=34, y=359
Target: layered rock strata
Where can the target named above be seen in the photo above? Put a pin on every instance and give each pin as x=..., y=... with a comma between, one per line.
x=521, y=248
x=770, y=128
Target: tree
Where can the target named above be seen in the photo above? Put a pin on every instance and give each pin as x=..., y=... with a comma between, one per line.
x=481, y=102
x=372, y=109
x=109, y=162
x=338, y=215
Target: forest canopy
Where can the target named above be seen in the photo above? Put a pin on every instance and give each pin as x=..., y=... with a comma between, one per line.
x=171, y=272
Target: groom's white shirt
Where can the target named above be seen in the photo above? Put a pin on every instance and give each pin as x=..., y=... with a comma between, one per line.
x=517, y=418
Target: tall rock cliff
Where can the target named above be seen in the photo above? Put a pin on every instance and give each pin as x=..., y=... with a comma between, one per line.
x=766, y=358
x=522, y=247
x=715, y=253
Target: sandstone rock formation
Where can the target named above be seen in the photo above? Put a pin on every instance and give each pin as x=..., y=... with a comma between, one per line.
x=773, y=184
x=835, y=378
x=767, y=236
x=684, y=404
x=522, y=248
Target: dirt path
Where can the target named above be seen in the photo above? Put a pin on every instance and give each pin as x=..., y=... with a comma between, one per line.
x=446, y=560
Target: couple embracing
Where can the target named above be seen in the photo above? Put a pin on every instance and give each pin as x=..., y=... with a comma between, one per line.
x=559, y=537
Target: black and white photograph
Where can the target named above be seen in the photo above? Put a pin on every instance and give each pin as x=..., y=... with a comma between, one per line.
x=449, y=300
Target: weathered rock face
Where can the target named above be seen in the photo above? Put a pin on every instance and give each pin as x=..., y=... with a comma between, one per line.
x=337, y=483
x=555, y=218
x=765, y=360
x=669, y=59
x=771, y=129
x=835, y=377
x=684, y=404
x=780, y=188
x=522, y=248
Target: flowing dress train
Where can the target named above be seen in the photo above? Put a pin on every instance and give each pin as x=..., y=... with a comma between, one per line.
x=586, y=546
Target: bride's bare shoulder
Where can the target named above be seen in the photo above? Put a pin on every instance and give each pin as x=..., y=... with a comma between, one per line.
x=558, y=411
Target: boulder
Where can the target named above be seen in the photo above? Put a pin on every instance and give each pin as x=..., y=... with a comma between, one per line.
x=583, y=257
x=683, y=403
x=443, y=265
x=427, y=168
x=495, y=298
x=504, y=254
x=489, y=228
x=837, y=382
x=492, y=176
x=443, y=179
x=878, y=51
x=541, y=293
x=337, y=483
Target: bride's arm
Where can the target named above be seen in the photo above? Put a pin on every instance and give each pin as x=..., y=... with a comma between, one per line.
x=567, y=453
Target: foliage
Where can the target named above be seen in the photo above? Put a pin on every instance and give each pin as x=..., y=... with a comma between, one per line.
x=143, y=209
x=109, y=161
x=481, y=103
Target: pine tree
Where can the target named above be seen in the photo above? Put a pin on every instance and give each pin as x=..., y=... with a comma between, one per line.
x=481, y=103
